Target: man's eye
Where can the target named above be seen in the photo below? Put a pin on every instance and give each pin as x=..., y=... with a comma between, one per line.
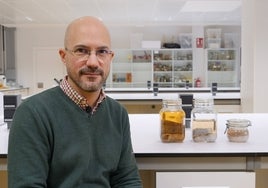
x=102, y=52
x=81, y=51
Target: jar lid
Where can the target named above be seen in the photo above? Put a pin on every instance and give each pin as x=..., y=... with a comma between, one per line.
x=200, y=102
x=172, y=99
x=238, y=123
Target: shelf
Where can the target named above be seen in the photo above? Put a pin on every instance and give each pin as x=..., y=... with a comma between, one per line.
x=173, y=67
x=223, y=67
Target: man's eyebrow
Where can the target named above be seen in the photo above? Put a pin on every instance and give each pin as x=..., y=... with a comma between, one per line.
x=80, y=46
x=103, y=47
x=87, y=47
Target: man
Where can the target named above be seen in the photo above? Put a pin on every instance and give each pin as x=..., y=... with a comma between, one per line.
x=73, y=135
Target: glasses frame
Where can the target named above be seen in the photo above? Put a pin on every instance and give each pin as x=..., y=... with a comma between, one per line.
x=85, y=56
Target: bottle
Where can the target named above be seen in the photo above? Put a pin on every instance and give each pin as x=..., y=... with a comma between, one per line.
x=203, y=120
x=198, y=82
x=2, y=81
x=237, y=130
x=172, y=119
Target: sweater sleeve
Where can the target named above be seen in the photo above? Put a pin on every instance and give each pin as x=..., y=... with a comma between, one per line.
x=28, y=150
x=127, y=174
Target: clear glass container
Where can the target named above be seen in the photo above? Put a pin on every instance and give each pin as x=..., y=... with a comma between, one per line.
x=172, y=119
x=204, y=120
x=237, y=130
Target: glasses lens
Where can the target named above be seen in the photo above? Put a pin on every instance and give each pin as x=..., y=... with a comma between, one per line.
x=103, y=55
x=83, y=54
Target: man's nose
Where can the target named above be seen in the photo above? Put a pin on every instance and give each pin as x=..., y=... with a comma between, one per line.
x=93, y=59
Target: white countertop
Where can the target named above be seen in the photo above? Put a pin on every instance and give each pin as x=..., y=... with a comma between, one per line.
x=160, y=96
x=145, y=131
x=181, y=89
x=4, y=132
x=12, y=88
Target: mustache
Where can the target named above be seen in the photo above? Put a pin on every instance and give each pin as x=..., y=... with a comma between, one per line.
x=90, y=70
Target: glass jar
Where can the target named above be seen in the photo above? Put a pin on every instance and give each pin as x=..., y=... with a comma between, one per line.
x=203, y=120
x=172, y=119
x=237, y=130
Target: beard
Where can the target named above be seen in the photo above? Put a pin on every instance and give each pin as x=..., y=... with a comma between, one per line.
x=88, y=79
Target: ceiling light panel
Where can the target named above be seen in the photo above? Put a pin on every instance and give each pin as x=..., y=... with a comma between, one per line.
x=168, y=9
x=140, y=10
x=118, y=11
x=210, y=6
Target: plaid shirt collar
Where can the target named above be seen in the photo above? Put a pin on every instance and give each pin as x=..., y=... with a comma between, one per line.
x=79, y=99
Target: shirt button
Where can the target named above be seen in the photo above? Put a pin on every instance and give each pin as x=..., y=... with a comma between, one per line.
x=83, y=102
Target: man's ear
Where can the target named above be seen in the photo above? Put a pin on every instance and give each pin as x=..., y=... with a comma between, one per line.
x=62, y=54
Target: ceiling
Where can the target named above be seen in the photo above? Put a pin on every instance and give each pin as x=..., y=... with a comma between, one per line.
x=119, y=12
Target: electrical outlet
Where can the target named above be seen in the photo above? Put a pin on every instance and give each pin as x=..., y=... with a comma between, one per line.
x=40, y=85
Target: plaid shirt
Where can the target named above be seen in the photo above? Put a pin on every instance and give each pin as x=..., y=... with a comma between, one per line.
x=79, y=99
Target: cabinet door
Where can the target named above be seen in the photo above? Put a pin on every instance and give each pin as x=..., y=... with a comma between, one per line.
x=163, y=67
x=2, y=68
x=223, y=67
x=10, y=63
x=205, y=179
x=121, y=70
x=7, y=53
x=3, y=179
x=173, y=67
x=183, y=68
x=141, y=67
x=130, y=68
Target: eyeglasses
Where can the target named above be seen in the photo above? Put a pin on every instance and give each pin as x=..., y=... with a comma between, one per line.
x=83, y=54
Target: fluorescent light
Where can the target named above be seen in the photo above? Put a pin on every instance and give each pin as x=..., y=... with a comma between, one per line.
x=210, y=6
x=29, y=18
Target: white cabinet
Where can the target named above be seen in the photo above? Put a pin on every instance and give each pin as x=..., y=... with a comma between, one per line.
x=205, y=179
x=24, y=92
x=166, y=67
x=7, y=53
x=163, y=68
x=183, y=67
x=172, y=68
x=141, y=67
x=130, y=68
x=223, y=67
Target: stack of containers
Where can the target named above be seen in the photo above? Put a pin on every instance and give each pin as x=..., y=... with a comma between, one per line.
x=213, y=37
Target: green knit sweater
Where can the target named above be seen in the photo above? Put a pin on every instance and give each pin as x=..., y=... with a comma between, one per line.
x=54, y=143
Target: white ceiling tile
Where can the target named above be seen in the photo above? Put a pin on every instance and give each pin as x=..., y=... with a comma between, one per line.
x=125, y=12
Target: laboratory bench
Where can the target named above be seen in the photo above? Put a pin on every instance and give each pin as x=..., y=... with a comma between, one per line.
x=186, y=164
x=142, y=101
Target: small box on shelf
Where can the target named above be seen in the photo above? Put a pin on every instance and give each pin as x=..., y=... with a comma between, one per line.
x=214, y=43
x=185, y=40
x=213, y=33
x=122, y=77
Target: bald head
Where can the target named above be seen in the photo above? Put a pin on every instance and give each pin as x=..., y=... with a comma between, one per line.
x=86, y=26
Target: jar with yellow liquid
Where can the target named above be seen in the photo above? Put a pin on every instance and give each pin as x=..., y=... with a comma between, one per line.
x=203, y=120
x=172, y=119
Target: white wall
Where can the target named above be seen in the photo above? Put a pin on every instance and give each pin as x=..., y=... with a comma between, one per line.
x=31, y=39
x=254, y=87
x=261, y=62
x=27, y=39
